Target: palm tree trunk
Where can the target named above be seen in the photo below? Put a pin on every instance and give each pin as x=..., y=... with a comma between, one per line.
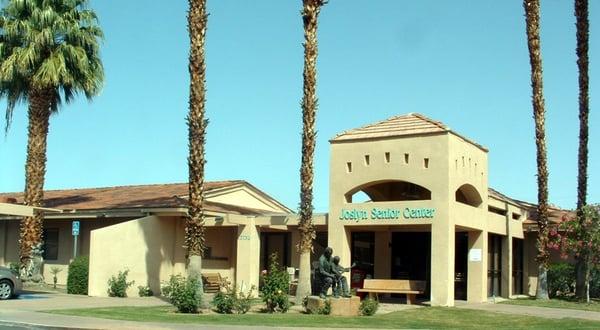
x=532, y=14
x=194, y=229
x=35, y=170
x=310, y=14
x=581, y=14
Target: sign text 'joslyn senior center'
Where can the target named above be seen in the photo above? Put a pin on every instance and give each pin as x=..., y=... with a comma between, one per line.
x=387, y=214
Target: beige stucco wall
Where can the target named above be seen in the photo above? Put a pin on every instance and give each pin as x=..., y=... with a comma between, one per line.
x=453, y=162
x=9, y=248
x=244, y=196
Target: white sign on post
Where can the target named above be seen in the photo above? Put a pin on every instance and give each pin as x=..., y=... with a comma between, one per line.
x=475, y=255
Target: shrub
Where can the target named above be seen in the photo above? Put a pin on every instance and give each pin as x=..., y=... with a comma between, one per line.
x=276, y=284
x=145, y=291
x=183, y=293
x=15, y=268
x=224, y=302
x=232, y=301
x=368, y=307
x=326, y=309
x=117, y=286
x=561, y=279
x=77, y=277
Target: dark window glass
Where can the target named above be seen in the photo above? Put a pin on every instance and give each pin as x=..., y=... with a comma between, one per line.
x=50, y=244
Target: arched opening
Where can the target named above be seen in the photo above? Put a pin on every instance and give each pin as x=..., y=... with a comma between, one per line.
x=467, y=194
x=388, y=191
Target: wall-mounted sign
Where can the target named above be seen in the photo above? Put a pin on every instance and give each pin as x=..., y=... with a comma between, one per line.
x=387, y=214
x=475, y=255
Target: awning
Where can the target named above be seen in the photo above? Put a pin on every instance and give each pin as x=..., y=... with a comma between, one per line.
x=23, y=210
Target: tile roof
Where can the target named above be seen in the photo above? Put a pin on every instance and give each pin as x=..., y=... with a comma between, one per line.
x=137, y=196
x=408, y=124
x=402, y=125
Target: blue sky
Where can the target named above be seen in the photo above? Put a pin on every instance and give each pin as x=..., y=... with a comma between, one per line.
x=464, y=63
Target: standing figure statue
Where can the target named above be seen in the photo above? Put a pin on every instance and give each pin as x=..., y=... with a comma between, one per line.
x=325, y=274
x=340, y=286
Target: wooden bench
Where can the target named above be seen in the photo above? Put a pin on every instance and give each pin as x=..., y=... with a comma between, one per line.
x=212, y=282
x=408, y=287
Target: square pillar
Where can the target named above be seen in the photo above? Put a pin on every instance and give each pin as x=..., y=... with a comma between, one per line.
x=383, y=254
x=477, y=267
x=247, y=270
x=507, y=266
x=442, y=263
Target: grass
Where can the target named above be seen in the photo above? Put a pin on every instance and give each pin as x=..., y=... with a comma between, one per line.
x=430, y=317
x=566, y=303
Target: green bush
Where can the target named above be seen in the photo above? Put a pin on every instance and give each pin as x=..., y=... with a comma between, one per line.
x=77, y=277
x=561, y=279
x=145, y=291
x=224, y=302
x=15, y=267
x=231, y=301
x=118, y=285
x=326, y=309
x=368, y=307
x=183, y=293
x=275, y=288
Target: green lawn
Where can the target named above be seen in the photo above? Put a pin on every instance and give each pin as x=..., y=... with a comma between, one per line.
x=594, y=305
x=433, y=317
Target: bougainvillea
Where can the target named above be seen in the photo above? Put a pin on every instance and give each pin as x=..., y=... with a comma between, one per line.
x=578, y=236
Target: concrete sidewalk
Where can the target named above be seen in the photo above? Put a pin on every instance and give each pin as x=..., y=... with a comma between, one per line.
x=546, y=312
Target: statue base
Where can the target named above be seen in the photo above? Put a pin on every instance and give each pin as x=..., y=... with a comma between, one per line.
x=339, y=306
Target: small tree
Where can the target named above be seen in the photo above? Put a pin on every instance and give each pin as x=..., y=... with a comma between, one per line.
x=580, y=237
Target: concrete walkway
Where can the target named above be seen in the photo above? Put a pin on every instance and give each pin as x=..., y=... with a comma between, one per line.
x=547, y=312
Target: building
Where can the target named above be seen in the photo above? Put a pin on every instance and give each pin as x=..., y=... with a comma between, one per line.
x=408, y=199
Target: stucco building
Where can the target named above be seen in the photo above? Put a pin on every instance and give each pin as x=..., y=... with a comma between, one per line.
x=408, y=199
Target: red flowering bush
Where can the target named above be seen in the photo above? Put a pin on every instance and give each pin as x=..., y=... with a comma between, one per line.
x=578, y=236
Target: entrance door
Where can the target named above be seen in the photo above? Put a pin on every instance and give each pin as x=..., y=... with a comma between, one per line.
x=517, y=266
x=461, y=250
x=411, y=253
x=274, y=243
x=494, y=265
x=363, y=252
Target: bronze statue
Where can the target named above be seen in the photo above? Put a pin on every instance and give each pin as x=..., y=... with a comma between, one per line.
x=340, y=286
x=325, y=275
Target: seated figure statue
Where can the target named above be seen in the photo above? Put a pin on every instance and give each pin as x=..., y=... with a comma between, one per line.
x=325, y=274
x=340, y=286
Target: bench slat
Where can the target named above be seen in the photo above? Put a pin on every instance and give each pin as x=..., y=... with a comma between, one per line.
x=394, y=285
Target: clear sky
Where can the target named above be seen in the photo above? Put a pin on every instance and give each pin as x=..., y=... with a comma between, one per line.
x=464, y=63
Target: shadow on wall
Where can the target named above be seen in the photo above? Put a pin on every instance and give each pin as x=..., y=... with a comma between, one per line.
x=159, y=238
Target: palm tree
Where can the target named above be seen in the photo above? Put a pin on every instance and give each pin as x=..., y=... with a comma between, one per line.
x=532, y=15
x=194, y=229
x=310, y=14
x=49, y=53
x=581, y=14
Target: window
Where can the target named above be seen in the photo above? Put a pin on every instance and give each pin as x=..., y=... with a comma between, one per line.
x=406, y=158
x=349, y=167
x=50, y=247
x=387, y=157
x=367, y=160
x=426, y=162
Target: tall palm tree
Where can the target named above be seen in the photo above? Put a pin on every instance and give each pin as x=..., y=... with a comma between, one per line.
x=49, y=53
x=197, y=122
x=581, y=14
x=532, y=16
x=310, y=15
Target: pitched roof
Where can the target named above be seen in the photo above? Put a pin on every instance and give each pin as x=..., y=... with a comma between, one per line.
x=402, y=125
x=555, y=214
x=136, y=196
